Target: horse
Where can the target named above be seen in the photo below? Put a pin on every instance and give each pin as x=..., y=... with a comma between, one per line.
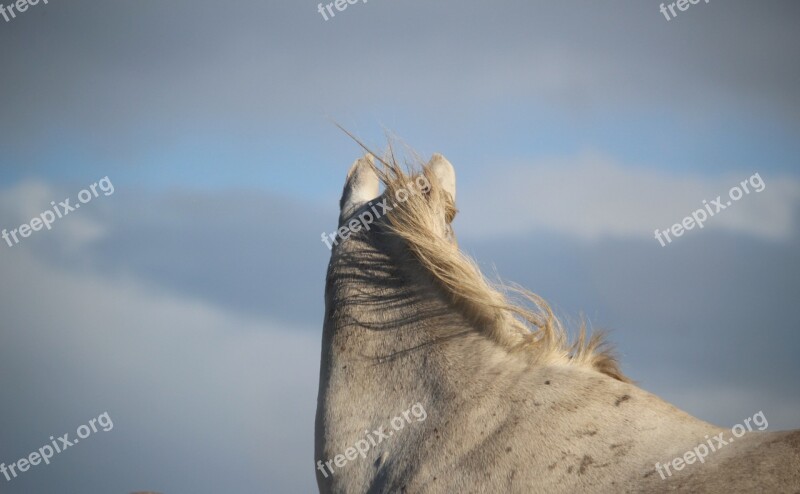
x=511, y=406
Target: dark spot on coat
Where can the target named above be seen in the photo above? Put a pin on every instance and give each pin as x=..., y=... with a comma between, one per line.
x=621, y=449
x=585, y=462
x=622, y=399
x=547, y=382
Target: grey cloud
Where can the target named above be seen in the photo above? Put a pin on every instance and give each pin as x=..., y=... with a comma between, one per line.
x=195, y=393
x=128, y=73
x=712, y=314
x=268, y=258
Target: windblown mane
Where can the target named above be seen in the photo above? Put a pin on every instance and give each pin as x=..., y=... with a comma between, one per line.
x=534, y=332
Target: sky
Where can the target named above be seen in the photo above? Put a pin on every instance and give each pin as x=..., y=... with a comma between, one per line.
x=188, y=302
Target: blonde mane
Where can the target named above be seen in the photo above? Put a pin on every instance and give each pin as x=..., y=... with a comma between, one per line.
x=534, y=332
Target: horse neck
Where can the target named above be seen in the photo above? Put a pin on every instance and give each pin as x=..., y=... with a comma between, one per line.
x=390, y=336
x=391, y=339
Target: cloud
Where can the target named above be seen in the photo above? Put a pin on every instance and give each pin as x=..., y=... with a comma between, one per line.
x=29, y=199
x=187, y=385
x=592, y=196
x=711, y=316
x=268, y=263
x=199, y=65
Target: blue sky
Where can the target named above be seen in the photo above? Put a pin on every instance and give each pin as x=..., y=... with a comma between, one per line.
x=189, y=303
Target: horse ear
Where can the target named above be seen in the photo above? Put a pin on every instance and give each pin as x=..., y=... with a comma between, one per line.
x=444, y=172
x=360, y=187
